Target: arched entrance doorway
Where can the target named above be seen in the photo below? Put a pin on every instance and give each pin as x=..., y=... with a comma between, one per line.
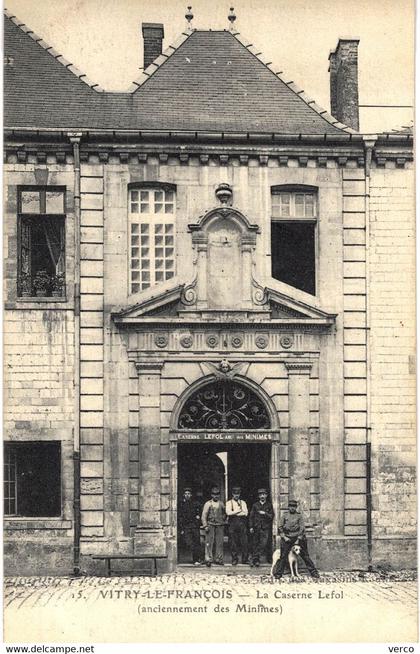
x=224, y=432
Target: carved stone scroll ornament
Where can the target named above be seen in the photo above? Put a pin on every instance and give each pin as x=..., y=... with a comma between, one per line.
x=189, y=293
x=259, y=293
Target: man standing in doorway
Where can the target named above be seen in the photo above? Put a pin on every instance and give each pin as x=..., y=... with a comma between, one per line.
x=260, y=521
x=189, y=523
x=292, y=532
x=213, y=519
x=237, y=512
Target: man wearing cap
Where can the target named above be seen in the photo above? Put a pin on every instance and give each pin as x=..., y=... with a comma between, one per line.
x=189, y=524
x=260, y=520
x=292, y=532
x=213, y=519
x=237, y=512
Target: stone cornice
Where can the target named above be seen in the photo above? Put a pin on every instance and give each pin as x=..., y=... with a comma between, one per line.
x=303, y=324
x=345, y=155
x=126, y=144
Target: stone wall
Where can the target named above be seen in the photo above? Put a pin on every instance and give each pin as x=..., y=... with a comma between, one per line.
x=38, y=380
x=39, y=349
x=392, y=341
x=110, y=403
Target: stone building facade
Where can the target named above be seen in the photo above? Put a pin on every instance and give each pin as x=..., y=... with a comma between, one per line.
x=207, y=279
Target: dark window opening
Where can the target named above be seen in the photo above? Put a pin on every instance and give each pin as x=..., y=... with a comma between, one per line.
x=32, y=479
x=293, y=254
x=41, y=242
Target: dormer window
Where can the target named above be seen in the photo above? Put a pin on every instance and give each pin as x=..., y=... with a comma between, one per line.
x=294, y=212
x=151, y=210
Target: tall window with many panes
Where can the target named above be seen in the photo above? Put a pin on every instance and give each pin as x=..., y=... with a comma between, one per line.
x=151, y=211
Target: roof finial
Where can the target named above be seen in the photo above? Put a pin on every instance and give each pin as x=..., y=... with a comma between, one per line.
x=189, y=16
x=231, y=18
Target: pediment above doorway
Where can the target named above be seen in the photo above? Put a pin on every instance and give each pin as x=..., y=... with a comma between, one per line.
x=176, y=306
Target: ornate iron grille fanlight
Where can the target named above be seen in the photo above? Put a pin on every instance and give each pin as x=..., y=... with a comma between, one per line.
x=224, y=405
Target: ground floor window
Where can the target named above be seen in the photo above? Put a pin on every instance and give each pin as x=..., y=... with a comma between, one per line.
x=32, y=479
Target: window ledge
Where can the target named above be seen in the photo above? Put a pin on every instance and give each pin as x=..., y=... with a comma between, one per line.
x=46, y=298
x=38, y=303
x=36, y=523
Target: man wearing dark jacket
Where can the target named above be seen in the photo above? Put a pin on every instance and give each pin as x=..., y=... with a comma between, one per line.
x=189, y=523
x=292, y=531
x=260, y=521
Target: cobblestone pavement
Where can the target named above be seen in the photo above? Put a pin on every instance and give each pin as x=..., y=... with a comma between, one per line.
x=186, y=606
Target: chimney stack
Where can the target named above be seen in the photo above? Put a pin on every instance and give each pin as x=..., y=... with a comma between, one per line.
x=344, y=87
x=152, y=42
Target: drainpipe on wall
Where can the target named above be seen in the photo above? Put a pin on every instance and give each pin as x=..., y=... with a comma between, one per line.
x=369, y=142
x=75, y=141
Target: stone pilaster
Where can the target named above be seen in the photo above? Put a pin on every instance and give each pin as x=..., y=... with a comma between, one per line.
x=149, y=536
x=299, y=438
x=247, y=245
x=201, y=243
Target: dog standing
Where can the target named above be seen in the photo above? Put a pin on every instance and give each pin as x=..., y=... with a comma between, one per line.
x=293, y=561
x=292, y=558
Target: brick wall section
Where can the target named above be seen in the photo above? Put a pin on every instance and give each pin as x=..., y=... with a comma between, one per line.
x=91, y=351
x=344, y=82
x=152, y=42
x=354, y=321
x=392, y=316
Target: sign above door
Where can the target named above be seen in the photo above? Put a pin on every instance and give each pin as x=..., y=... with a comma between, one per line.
x=225, y=436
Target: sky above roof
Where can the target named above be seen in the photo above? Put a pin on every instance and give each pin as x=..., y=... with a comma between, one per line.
x=102, y=38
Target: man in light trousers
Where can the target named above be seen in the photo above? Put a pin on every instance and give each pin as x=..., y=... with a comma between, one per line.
x=213, y=519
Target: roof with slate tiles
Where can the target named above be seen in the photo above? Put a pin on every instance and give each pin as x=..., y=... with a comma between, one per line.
x=207, y=81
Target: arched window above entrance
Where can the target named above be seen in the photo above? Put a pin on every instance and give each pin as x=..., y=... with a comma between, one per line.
x=224, y=405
